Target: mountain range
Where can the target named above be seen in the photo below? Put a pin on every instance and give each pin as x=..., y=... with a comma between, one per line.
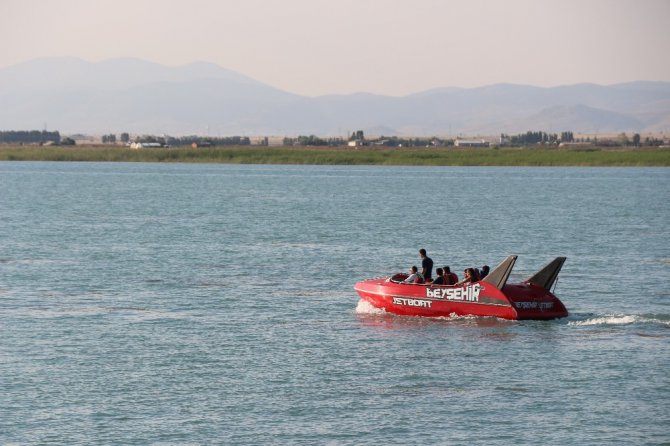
x=140, y=97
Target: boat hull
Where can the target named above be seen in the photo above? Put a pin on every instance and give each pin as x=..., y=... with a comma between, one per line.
x=514, y=301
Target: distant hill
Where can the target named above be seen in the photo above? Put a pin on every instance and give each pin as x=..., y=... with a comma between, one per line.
x=132, y=95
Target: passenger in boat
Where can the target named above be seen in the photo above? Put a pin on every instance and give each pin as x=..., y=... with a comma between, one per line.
x=484, y=272
x=449, y=277
x=414, y=276
x=469, y=276
x=475, y=274
x=439, y=280
x=426, y=265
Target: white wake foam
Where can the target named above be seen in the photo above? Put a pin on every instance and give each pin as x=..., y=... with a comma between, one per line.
x=606, y=320
x=365, y=307
x=455, y=317
x=622, y=320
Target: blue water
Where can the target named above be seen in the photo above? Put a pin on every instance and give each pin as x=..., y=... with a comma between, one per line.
x=213, y=304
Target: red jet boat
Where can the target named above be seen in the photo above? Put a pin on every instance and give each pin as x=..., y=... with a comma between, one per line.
x=491, y=296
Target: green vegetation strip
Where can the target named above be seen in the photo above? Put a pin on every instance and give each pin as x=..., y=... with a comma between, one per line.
x=349, y=156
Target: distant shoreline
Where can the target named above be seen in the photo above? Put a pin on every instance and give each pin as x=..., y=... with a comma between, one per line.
x=508, y=156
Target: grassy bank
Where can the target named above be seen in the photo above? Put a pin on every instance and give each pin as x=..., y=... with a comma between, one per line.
x=349, y=156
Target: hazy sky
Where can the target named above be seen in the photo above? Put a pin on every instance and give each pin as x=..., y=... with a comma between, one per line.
x=392, y=47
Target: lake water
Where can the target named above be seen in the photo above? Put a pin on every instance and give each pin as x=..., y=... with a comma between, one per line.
x=214, y=304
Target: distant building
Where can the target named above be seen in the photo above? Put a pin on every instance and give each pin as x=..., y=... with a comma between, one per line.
x=195, y=145
x=471, y=143
x=145, y=145
x=575, y=144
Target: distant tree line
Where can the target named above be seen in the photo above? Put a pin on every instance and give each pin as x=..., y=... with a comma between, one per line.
x=636, y=140
x=567, y=137
x=359, y=137
x=109, y=139
x=313, y=140
x=394, y=141
x=214, y=141
x=531, y=138
x=523, y=139
x=29, y=136
x=622, y=140
x=189, y=140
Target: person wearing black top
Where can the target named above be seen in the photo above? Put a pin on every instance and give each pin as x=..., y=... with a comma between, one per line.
x=426, y=265
x=440, y=277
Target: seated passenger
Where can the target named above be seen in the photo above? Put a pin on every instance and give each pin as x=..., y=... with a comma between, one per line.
x=475, y=274
x=470, y=276
x=449, y=277
x=414, y=276
x=439, y=280
x=484, y=271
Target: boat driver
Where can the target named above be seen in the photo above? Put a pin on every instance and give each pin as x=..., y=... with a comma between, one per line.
x=414, y=277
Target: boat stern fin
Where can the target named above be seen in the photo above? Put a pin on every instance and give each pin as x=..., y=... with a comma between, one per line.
x=499, y=275
x=546, y=277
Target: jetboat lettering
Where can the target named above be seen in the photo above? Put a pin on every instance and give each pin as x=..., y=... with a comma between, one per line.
x=469, y=293
x=539, y=305
x=411, y=302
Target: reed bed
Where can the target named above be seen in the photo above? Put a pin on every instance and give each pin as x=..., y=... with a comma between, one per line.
x=348, y=156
